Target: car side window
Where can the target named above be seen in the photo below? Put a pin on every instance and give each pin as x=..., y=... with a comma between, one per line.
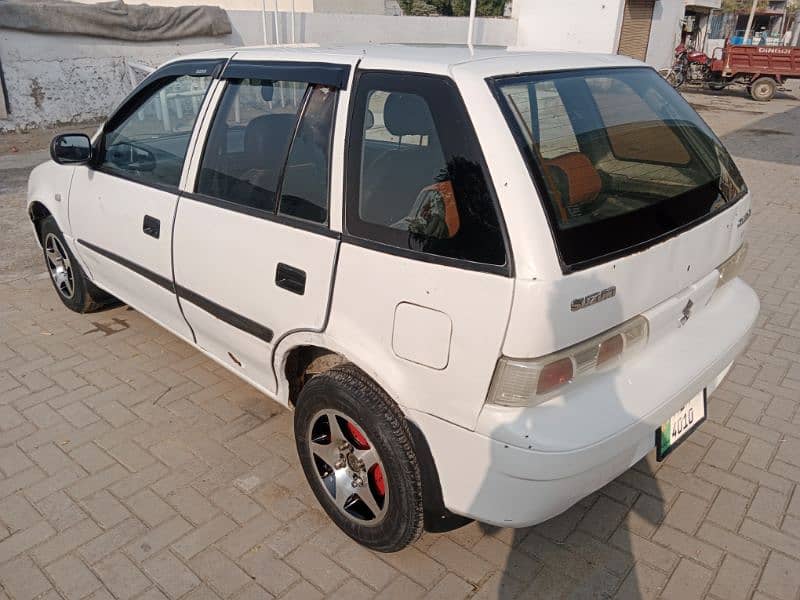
x=149, y=142
x=247, y=144
x=416, y=175
x=304, y=191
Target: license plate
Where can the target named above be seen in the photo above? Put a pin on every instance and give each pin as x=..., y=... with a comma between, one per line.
x=672, y=432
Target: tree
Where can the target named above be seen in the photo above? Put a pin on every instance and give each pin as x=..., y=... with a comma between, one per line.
x=741, y=5
x=452, y=8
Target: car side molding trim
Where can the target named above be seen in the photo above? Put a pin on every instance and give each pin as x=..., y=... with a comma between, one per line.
x=223, y=314
x=159, y=280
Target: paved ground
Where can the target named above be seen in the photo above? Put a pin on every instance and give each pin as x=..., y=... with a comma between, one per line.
x=132, y=467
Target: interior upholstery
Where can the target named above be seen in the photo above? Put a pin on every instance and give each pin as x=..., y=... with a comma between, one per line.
x=391, y=184
x=266, y=138
x=575, y=180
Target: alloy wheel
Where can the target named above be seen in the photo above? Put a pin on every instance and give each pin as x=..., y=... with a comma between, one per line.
x=60, y=266
x=348, y=466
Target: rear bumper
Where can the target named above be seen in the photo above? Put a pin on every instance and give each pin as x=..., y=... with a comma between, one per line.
x=523, y=466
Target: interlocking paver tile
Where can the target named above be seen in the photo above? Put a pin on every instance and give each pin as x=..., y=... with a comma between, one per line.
x=149, y=507
x=365, y=565
x=402, y=588
x=735, y=579
x=171, y=574
x=269, y=570
x=23, y=579
x=203, y=536
x=66, y=541
x=72, y=578
x=689, y=580
x=17, y=513
x=781, y=577
x=219, y=572
x=121, y=576
x=12, y=460
x=106, y=510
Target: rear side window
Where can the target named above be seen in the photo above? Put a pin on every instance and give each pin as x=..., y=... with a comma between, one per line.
x=249, y=140
x=304, y=192
x=415, y=174
x=620, y=157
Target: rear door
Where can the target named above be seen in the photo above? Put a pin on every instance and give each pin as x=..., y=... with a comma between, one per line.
x=121, y=207
x=253, y=252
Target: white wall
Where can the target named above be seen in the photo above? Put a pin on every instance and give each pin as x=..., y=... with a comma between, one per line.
x=576, y=25
x=284, y=5
x=55, y=79
x=664, y=33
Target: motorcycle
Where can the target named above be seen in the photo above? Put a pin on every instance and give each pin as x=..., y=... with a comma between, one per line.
x=689, y=66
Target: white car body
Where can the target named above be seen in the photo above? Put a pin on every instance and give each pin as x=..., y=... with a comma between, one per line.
x=430, y=333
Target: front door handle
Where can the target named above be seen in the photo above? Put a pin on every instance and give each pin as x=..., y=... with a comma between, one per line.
x=290, y=278
x=151, y=226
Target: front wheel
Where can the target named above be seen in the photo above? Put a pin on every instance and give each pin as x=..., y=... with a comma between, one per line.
x=356, y=451
x=676, y=78
x=73, y=287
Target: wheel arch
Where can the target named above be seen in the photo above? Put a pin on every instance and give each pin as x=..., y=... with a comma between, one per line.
x=296, y=352
x=38, y=212
x=310, y=353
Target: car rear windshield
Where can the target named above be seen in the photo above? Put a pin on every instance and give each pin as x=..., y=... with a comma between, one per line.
x=620, y=158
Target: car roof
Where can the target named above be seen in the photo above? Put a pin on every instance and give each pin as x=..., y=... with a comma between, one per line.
x=430, y=58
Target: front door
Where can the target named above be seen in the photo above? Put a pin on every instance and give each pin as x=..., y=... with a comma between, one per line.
x=254, y=256
x=121, y=207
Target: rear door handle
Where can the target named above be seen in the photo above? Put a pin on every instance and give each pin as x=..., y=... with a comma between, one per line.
x=151, y=226
x=290, y=278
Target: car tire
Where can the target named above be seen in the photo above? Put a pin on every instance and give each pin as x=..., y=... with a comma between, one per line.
x=357, y=453
x=763, y=89
x=70, y=282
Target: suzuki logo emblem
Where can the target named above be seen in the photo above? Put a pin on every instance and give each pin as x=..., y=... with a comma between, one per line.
x=687, y=312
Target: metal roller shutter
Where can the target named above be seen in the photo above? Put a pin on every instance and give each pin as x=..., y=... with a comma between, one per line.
x=635, y=33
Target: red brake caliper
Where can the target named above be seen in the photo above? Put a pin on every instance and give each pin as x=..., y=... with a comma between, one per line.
x=376, y=472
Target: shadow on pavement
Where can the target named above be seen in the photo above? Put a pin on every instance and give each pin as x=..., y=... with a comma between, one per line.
x=768, y=140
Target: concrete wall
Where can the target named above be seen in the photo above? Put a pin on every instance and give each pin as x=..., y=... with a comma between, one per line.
x=53, y=79
x=368, y=7
x=284, y=5
x=664, y=33
x=577, y=25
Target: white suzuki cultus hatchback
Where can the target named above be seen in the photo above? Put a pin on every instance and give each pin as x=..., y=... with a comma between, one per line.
x=486, y=282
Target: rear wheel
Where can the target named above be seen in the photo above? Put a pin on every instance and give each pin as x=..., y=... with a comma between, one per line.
x=356, y=451
x=763, y=89
x=75, y=290
x=716, y=86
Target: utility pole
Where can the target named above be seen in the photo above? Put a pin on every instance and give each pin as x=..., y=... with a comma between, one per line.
x=748, y=32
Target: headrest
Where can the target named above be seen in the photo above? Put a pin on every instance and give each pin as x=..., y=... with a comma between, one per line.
x=407, y=114
x=267, y=90
x=576, y=180
x=268, y=134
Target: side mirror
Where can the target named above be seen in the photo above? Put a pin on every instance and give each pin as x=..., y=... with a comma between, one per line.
x=71, y=149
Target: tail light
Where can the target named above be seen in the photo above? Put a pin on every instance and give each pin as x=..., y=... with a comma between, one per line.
x=529, y=382
x=732, y=267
